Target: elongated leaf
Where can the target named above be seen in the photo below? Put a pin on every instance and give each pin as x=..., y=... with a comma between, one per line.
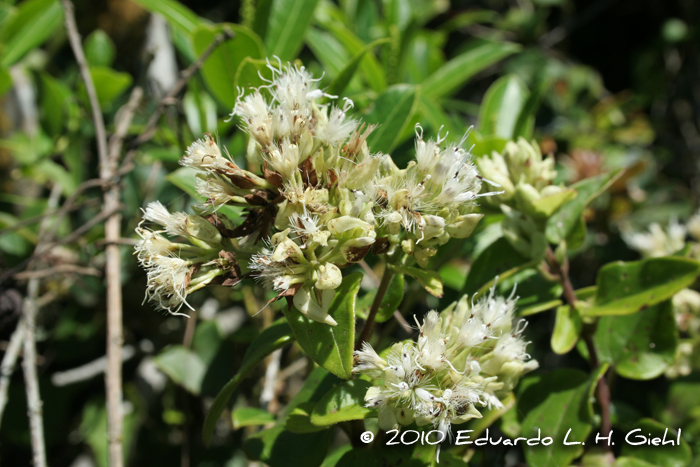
x=317, y=384
x=567, y=328
x=372, y=70
x=183, y=366
x=564, y=221
x=502, y=103
x=251, y=416
x=430, y=280
x=662, y=456
x=455, y=73
x=331, y=346
x=219, y=70
x=279, y=447
x=341, y=81
x=498, y=259
x=556, y=403
x=35, y=21
x=99, y=49
x=5, y=82
x=177, y=14
x=56, y=97
x=343, y=403
x=432, y=114
x=287, y=26
x=640, y=345
x=625, y=288
x=299, y=419
x=274, y=337
x=392, y=111
x=328, y=50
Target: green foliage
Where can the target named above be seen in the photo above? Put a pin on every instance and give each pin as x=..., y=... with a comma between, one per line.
x=343, y=403
x=330, y=346
x=625, y=288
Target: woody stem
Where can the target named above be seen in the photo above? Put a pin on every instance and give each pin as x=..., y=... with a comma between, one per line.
x=366, y=333
x=602, y=390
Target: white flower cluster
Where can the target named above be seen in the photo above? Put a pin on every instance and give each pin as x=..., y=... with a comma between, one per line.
x=657, y=241
x=466, y=357
x=322, y=200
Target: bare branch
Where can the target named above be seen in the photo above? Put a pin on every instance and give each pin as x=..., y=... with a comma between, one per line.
x=61, y=268
x=9, y=360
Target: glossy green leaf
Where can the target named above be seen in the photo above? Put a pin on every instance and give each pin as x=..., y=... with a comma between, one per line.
x=5, y=82
x=455, y=73
x=207, y=340
x=249, y=72
x=659, y=455
x=332, y=459
x=538, y=308
x=640, y=345
x=220, y=68
x=567, y=329
x=392, y=111
x=391, y=301
x=401, y=455
x=99, y=49
x=287, y=26
x=330, y=346
x=343, y=403
x=183, y=366
x=631, y=462
x=56, y=97
x=563, y=223
x=34, y=22
x=251, y=416
x=498, y=259
x=279, y=447
x=274, y=337
x=432, y=114
x=625, y=288
x=502, y=103
x=299, y=419
x=553, y=404
x=109, y=84
x=178, y=15
x=372, y=70
x=430, y=280
x=341, y=81
x=316, y=385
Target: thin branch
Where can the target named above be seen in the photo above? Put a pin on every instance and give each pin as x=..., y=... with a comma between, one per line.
x=31, y=380
x=38, y=218
x=89, y=370
x=366, y=333
x=602, y=389
x=60, y=269
x=150, y=128
x=9, y=360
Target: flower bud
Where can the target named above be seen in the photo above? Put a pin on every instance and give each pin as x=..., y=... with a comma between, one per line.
x=329, y=277
x=306, y=302
x=423, y=255
x=202, y=229
x=463, y=226
x=287, y=249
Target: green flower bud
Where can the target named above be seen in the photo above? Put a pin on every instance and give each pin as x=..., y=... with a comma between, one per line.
x=463, y=226
x=329, y=277
x=202, y=229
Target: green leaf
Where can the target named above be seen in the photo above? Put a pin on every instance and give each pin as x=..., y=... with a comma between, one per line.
x=317, y=384
x=219, y=70
x=249, y=72
x=625, y=288
x=343, y=403
x=402, y=455
x=207, y=340
x=278, y=447
x=35, y=21
x=99, y=49
x=433, y=114
x=502, y=103
x=554, y=403
x=56, y=97
x=251, y=416
x=391, y=301
x=631, y=462
x=341, y=81
x=640, y=345
x=392, y=111
x=430, y=280
x=372, y=70
x=455, y=73
x=178, y=15
x=274, y=337
x=332, y=459
x=563, y=223
x=287, y=26
x=109, y=84
x=331, y=346
x=498, y=259
x=5, y=82
x=567, y=329
x=183, y=366
x=663, y=456
x=299, y=419
x=329, y=52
